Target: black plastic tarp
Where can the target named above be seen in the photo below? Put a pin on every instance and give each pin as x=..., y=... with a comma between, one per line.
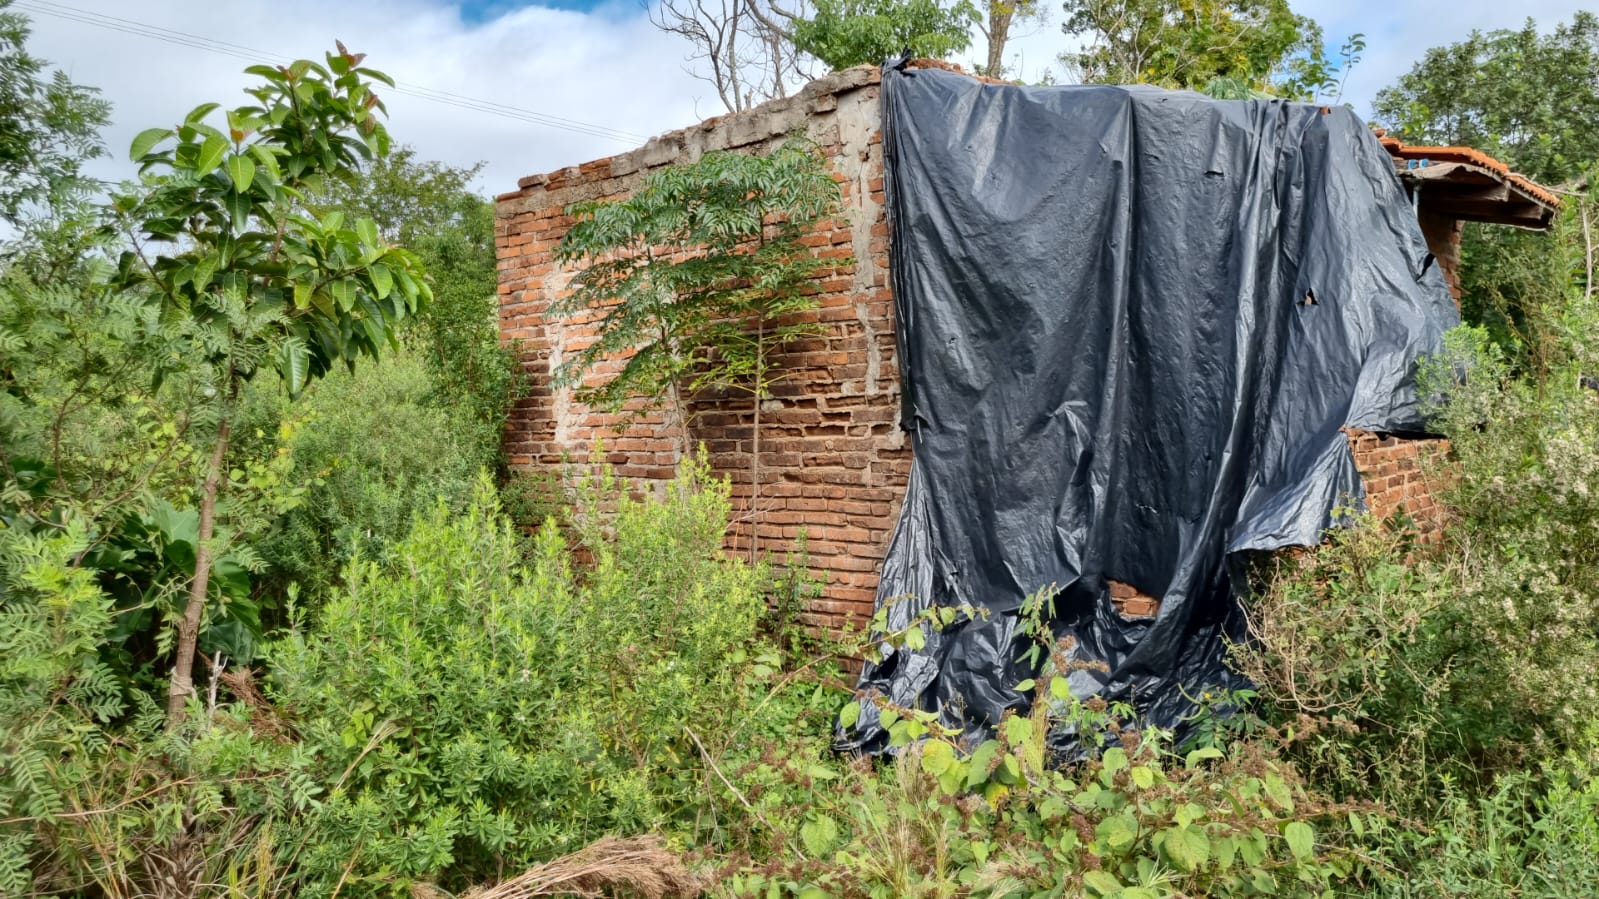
x=1132, y=323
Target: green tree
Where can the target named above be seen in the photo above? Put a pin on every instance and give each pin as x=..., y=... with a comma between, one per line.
x=698, y=276
x=844, y=33
x=1262, y=45
x=49, y=127
x=1530, y=99
x=429, y=208
x=221, y=240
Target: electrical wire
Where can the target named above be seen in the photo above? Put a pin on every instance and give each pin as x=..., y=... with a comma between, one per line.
x=250, y=54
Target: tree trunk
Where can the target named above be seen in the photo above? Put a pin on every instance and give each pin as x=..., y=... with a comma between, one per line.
x=999, y=19
x=182, y=684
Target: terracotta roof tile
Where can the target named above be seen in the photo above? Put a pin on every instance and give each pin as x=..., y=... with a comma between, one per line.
x=1469, y=156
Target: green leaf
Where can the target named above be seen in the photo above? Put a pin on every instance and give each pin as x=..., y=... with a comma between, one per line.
x=382, y=281
x=295, y=364
x=1186, y=847
x=981, y=759
x=1301, y=839
x=367, y=230
x=1025, y=686
x=1102, y=882
x=1114, y=759
x=242, y=171
x=849, y=714
x=146, y=140
x=1117, y=831
x=820, y=835
x=915, y=638
x=1142, y=776
x=211, y=152
x=1279, y=793
x=1060, y=688
x=1201, y=754
x=937, y=757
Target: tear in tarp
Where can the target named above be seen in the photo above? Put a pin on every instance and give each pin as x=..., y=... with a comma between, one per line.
x=1132, y=323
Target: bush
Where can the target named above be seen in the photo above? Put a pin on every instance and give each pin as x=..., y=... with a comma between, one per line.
x=473, y=716
x=378, y=449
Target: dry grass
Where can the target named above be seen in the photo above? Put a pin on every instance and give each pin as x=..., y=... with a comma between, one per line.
x=634, y=866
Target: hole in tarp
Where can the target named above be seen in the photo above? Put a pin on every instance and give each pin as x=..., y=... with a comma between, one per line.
x=1310, y=298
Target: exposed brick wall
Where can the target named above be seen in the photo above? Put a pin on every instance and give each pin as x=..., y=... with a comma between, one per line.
x=834, y=462
x=1443, y=242
x=1394, y=472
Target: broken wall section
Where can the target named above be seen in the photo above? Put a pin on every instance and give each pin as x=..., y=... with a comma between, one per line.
x=834, y=463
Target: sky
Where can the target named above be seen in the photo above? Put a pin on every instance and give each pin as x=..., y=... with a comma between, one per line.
x=595, y=67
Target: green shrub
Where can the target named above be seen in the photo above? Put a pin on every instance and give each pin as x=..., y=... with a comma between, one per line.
x=378, y=449
x=473, y=716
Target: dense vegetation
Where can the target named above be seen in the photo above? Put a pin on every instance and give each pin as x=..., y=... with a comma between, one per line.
x=235, y=413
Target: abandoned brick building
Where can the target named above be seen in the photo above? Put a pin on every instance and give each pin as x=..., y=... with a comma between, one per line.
x=835, y=461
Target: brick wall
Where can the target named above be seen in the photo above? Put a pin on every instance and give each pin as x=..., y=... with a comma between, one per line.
x=834, y=462
x=1443, y=242
x=1395, y=473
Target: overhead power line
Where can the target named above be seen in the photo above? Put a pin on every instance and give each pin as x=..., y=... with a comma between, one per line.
x=251, y=54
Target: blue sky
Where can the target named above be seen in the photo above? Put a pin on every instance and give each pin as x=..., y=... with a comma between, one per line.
x=597, y=63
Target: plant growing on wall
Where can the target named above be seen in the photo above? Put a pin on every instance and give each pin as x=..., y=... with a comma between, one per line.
x=222, y=242
x=697, y=279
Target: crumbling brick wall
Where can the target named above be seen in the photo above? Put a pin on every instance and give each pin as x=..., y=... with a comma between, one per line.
x=834, y=462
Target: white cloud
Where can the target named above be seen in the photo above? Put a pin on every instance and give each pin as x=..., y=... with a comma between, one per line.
x=607, y=67
x=1397, y=33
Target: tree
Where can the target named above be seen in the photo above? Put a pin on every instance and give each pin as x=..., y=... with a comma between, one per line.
x=259, y=283
x=844, y=33
x=429, y=208
x=1003, y=16
x=49, y=127
x=1530, y=99
x=746, y=44
x=1262, y=45
x=698, y=277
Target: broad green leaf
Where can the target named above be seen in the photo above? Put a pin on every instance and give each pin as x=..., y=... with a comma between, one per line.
x=1279, y=793
x=981, y=759
x=1301, y=839
x=1201, y=754
x=199, y=112
x=1025, y=686
x=915, y=638
x=849, y=714
x=1102, y=882
x=1225, y=850
x=937, y=757
x=296, y=364
x=887, y=718
x=367, y=230
x=1114, y=759
x=1142, y=776
x=146, y=140
x=1186, y=847
x=242, y=171
x=1060, y=688
x=1117, y=831
x=820, y=835
x=211, y=152
x=343, y=293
